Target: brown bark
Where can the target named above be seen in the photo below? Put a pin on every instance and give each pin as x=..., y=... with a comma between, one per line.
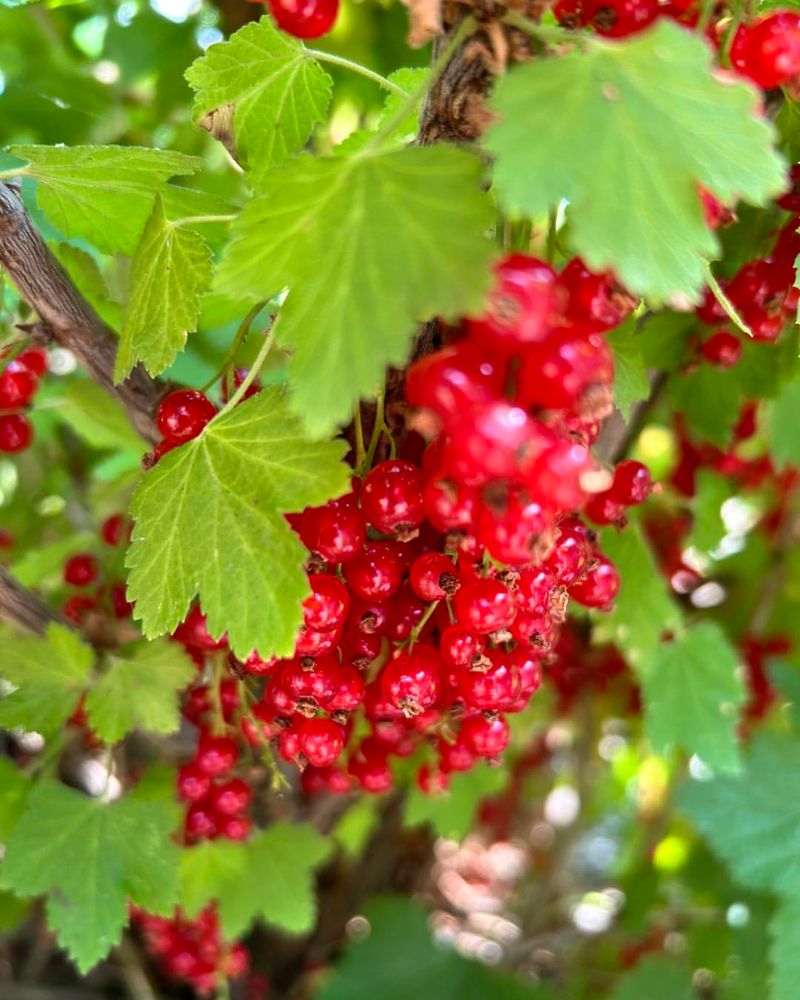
x=66, y=316
x=21, y=607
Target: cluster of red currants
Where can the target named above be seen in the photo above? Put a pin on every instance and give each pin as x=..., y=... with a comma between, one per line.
x=83, y=570
x=762, y=292
x=192, y=951
x=438, y=585
x=18, y=384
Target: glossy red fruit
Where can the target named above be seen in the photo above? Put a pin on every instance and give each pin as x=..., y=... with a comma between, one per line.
x=16, y=432
x=81, y=569
x=602, y=509
x=595, y=300
x=767, y=51
x=411, y=681
x=632, y=483
x=115, y=529
x=375, y=573
x=512, y=529
x=336, y=531
x=328, y=604
x=619, y=18
x=200, y=823
x=18, y=385
x=34, y=359
x=449, y=506
x=231, y=797
x=491, y=442
x=599, y=587
x=349, y=690
x=183, y=414
x=193, y=632
x=459, y=647
x=484, y=605
x=391, y=496
x=236, y=828
x=432, y=576
x=193, y=784
x=484, y=737
x=563, y=373
x=305, y=18
x=455, y=756
x=522, y=306
x=215, y=754
x=494, y=688
x=722, y=349
x=320, y=741
x=454, y=379
x=567, y=562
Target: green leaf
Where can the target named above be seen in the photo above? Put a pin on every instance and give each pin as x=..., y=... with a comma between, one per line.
x=451, y=814
x=643, y=609
x=171, y=270
x=88, y=279
x=409, y=232
x=356, y=826
x=209, y=521
x=784, y=953
x=753, y=820
x=709, y=399
x=278, y=92
x=140, y=692
x=14, y=788
x=92, y=858
x=49, y=674
x=708, y=527
x=631, y=384
x=647, y=118
x=104, y=193
x=693, y=691
x=208, y=871
x=655, y=979
x=399, y=960
x=97, y=417
x=271, y=878
x=783, y=425
x=410, y=78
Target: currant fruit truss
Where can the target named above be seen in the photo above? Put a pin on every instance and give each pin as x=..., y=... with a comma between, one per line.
x=405, y=521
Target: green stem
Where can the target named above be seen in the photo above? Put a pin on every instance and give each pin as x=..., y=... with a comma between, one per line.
x=255, y=368
x=358, y=429
x=196, y=220
x=438, y=66
x=724, y=301
x=238, y=340
x=355, y=67
x=375, y=437
x=417, y=630
x=548, y=34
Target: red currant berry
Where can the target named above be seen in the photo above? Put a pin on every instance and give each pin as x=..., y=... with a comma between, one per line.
x=412, y=680
x=602, y=509
x=115, y=529
x=193, y=632
x=459, y=647
x=599, y=587
x=391, y=496
x=235, y=828
x=564, y=373
x=484, y=605
x=767, y=51
x=183, y=414
x=230, y=798
x=320, y=741
x=455, y=756
x=305, y=18
x=34, y=359
x=522, y=307
x=193, y=784
x=484, y=737
x=16, y=432
x=377, y=572
x=618, y=18
x=349, y=690
x=723, y=349
x=492, y=689
x=432, y=576
x=453, y=380
x=215, y=754
x=17, y=386
x=595, y=301
x=200, y=823
x=632, y=483
x=327, y=606
x=81, y=570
